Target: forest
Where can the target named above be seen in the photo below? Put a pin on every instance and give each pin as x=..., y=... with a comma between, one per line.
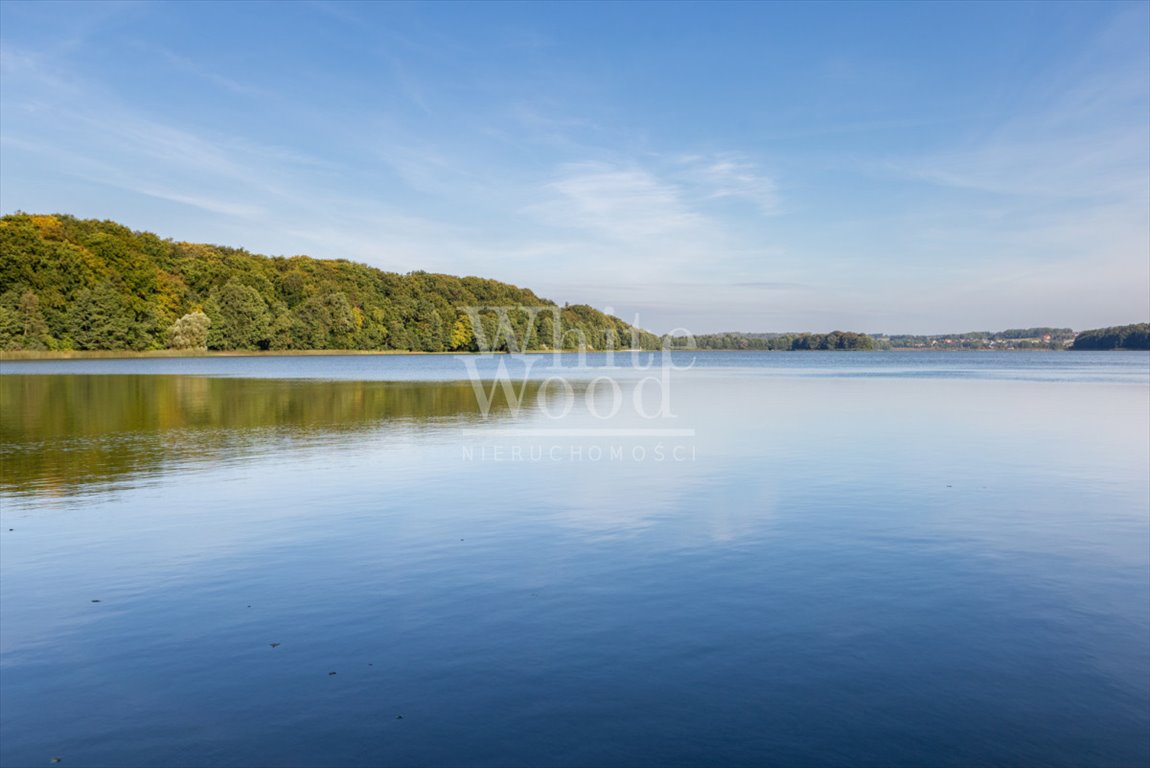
x=1135, y=336
x=840, y=340
x=84, y=284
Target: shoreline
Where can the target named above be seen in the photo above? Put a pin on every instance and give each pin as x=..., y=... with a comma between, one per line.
x=30, y=355
x=108, y=354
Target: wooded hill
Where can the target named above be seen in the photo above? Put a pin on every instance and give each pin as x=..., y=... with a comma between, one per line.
x=68, y=283
x=1135, y=336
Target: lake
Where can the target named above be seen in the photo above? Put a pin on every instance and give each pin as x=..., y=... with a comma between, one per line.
x=818, y=559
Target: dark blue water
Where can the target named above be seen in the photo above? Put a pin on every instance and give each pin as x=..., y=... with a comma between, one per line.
x=805, y=559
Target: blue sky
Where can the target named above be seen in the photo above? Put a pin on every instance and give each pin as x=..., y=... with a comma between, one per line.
x=903, y=167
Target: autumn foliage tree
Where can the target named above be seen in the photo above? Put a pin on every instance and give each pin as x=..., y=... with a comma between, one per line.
x=68, y=283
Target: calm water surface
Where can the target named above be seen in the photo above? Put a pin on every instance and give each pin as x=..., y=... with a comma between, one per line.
x=821, y=559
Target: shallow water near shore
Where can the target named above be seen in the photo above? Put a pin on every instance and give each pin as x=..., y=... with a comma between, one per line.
x=804, y=558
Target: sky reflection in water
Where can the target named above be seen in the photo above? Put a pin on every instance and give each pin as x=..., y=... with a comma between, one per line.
x=853, y=566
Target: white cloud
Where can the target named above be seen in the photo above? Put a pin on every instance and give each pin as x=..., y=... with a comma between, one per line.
x=626, y=204
x=729, y=175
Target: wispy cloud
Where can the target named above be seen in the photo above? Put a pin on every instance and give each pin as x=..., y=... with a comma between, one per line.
x=730, y=175
x=191, y=67
x=768, y=285
x=1027, y=161
x=494, y=143
x=1081, y=134
x=627, y=204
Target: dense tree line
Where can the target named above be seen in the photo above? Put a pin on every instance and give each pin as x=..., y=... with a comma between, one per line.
x=1056, y=334
x=68, y=283
x=1119, y=337
x=1012, y=338
x=783, y=341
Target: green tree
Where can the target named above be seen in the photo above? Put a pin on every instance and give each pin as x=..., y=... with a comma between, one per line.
x=9, y=327
x=33, y=327
x=22, y=324
x=239, y=318
x=103, y=319
x=324, y=322
x=190, y=331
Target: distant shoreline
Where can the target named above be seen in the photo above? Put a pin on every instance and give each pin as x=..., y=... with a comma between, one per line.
x=31, y=355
